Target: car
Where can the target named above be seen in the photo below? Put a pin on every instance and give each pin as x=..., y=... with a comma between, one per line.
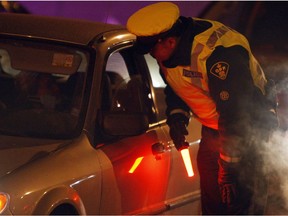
x=83, y=128
x=264, y=23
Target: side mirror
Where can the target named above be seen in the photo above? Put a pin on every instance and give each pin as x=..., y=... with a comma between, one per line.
x=124, y=124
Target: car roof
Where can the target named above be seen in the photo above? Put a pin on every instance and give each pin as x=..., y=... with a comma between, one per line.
x=54, y=28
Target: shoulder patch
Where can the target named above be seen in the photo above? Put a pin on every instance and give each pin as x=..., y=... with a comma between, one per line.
x=192, y=74
x=220, y=70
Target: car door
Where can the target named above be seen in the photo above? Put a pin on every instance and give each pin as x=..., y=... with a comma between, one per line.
x=141, y=177
x=183, y=194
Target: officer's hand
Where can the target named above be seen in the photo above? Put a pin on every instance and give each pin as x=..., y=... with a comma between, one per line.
x=227, y=179
x=177, y=123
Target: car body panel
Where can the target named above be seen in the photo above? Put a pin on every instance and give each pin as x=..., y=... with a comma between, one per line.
x=39, y=178
x=183, y=182
x=148, y=181
x=53, y=29
x=181, y=188
x=23, y=151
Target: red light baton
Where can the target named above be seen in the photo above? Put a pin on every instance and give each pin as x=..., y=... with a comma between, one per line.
x=186, y=158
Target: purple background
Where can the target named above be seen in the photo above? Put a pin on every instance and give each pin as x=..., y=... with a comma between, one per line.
x=116, y=12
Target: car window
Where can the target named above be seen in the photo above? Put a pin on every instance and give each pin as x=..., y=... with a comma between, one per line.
x=158, y=86
x=126, y=88
x=116, y=65
x=125, y=92
x=41, y=89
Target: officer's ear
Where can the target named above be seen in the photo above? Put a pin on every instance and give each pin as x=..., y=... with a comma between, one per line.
x=172, y=42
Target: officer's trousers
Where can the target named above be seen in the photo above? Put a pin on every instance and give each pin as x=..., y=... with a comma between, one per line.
x=207, y=160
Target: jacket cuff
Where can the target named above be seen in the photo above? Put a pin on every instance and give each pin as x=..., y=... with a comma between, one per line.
x=230, y=159
x=180, y=111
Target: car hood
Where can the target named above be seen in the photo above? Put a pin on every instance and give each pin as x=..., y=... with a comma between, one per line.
x=18, y=151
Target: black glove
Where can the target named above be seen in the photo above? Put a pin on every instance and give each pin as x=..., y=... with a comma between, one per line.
x=177, y=123
x=227, y=180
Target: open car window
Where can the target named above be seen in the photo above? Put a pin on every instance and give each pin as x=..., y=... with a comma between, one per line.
x=127, y=87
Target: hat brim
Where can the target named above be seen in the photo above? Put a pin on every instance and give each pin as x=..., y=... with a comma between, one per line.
x=144, y=46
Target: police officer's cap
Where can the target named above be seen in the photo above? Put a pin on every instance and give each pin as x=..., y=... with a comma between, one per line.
x=153, y=22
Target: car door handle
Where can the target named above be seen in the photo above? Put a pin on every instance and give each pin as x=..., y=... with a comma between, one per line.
x=158, y=149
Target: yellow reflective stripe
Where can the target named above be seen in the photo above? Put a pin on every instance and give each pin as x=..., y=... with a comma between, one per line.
x=194, y=63
x=216, y=35
x=232, y=38
x=258, y=75
x=230, y=159
x=194, y=57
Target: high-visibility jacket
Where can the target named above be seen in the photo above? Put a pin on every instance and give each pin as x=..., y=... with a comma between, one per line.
x=223, y=81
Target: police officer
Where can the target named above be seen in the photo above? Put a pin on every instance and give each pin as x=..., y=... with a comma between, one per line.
x=210, y=72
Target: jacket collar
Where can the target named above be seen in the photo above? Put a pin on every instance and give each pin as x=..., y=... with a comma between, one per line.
x=182, y=53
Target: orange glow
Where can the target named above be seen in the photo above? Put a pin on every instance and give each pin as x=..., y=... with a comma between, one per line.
x=136, y=164
x=75, y=197
x=3, y=201
x=187, y=161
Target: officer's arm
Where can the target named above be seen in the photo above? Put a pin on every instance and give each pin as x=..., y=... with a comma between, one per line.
x=173, y=102
x=231, y=87
x=178, y=115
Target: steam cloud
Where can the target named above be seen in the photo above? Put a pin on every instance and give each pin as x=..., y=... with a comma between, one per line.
x=275, y=155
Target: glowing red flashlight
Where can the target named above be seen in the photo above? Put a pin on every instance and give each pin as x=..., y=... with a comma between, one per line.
x=184, y=149
x=187, y=161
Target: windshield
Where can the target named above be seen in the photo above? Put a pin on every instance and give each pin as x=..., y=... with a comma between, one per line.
x=41, y=89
